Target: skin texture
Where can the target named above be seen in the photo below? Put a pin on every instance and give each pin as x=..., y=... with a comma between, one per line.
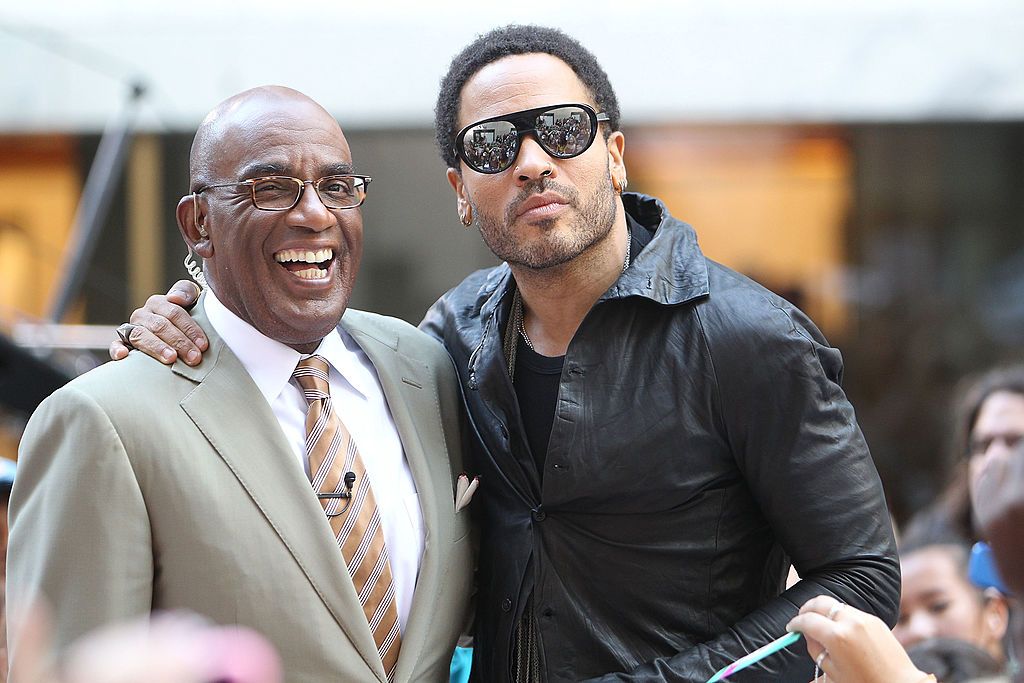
x=937, y=600
x=861, y=649
x=272, y=131
x=584, y=211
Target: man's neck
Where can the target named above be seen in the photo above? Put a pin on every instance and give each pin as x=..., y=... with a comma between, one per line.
x=557, y=299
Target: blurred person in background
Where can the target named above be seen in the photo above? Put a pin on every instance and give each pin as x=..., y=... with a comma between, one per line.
x=659, y=437
x=939, y=600
x=170, y=647
x=988, y=419
x=997, y=492
x=954, y=661
x=144, y=488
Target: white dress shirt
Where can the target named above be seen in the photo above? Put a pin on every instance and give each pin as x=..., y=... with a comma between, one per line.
x=359, y=401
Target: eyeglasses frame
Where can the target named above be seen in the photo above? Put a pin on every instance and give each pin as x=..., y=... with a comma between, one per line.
x=251, y=182
x=529, y=115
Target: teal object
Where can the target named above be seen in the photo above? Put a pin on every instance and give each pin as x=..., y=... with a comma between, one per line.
x=462, y=662
x=756, y=656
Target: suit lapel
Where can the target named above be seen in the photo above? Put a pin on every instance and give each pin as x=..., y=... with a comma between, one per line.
x=412, y=398
x=245, y=434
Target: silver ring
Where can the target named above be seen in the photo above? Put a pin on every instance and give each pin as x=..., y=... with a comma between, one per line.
x=124, y=331
x=835, y=610
x=821, y=658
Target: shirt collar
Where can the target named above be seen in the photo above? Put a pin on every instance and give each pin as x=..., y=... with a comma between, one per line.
x=271, y=363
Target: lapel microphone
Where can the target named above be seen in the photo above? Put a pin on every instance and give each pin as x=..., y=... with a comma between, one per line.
x=350, y=480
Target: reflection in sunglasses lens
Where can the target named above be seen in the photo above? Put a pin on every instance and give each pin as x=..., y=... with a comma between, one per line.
x=563, y=132
x=490, y=147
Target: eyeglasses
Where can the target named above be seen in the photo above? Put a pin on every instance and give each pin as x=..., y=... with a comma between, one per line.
x=564, y=131
x=281, y=193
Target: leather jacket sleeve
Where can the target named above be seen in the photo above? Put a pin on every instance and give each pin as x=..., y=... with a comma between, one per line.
x=796, y=441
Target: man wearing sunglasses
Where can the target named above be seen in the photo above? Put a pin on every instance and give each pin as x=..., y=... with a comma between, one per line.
x=288, y=483
x=658, y=437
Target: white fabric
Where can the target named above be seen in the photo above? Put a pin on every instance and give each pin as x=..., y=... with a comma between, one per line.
x=359, y=401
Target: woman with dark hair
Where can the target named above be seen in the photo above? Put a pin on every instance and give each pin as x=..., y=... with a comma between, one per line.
x=989, y=418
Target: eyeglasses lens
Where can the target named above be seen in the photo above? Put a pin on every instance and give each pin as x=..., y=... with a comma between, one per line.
x=275, y=193
x=336, y=192
x=341, y=192
x=563, y=132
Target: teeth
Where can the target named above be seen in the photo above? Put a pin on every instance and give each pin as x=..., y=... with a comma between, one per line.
x=303, y=256
x=310, y=274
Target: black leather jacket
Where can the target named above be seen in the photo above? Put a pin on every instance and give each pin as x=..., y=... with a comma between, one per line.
x=701, y=444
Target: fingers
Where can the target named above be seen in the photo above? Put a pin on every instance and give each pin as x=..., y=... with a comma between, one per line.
x=117, y=350
x=161, y=337
x=164, y=329
x=822, y=604
x=181, y=323
x=183, y=293
x=817, y=630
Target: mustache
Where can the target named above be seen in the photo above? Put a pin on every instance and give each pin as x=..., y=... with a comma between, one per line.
x=539, y=186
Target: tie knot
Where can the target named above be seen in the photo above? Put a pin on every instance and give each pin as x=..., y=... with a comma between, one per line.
x=311, y=374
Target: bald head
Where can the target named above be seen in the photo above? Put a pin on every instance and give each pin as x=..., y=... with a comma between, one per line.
x=240, y=117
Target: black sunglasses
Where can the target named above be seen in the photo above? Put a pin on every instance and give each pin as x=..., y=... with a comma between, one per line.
x=562, y=130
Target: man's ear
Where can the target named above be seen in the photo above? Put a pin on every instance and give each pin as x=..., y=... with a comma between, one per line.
x=462, y=201
x=616, y=154
x=192, y=225
x=455, y=180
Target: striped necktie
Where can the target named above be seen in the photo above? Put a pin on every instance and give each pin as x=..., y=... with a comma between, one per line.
x=332, y=453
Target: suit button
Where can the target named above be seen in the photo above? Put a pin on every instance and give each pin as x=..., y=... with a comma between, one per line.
x=539, y=515
x=506, y=605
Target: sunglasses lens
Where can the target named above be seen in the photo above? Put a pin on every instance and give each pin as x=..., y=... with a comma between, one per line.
x=565, y=132
x=490, y=147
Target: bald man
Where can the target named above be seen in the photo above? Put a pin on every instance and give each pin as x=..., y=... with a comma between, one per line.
x=141, y=489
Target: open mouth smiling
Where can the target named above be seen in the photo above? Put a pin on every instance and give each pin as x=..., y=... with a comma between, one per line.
x=306, y=264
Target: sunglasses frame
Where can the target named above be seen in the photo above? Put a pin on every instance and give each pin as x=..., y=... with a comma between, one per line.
x=524, y=123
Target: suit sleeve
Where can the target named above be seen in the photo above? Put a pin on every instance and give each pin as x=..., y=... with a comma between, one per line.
x=80, y=537
x=796, y=442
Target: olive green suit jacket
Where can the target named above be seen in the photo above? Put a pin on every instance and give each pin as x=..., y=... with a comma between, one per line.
x=146, y=488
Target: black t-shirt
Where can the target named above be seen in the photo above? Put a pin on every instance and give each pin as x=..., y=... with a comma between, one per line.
x=536, y=382
x=537, y=377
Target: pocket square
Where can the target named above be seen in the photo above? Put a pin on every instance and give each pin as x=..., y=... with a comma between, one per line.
x=464, y=490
